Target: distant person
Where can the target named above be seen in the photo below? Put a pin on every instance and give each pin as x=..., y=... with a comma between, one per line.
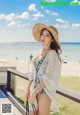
x=16, y=58
x=46, y=71
x=31, y=56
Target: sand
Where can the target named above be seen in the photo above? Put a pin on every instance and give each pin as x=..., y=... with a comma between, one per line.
x=71, y=68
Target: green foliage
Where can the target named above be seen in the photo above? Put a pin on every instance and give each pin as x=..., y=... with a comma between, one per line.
x=21, y=100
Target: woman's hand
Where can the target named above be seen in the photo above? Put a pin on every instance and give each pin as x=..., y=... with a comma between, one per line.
x=27, y=93
x=32, y=98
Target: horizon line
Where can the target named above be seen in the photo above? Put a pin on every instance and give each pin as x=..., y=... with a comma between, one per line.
x=37, y=42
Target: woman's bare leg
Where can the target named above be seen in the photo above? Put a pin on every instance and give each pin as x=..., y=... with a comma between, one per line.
x=31, y=113
x=44, y=104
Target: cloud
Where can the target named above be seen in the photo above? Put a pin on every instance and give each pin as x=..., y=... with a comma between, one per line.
x=10, y=17
x=38, y=14
x=15, y=20
x=54, y=14
x=12, y=23
x=23, y=25
x=34, y=18
x=75, y=0
x=61, y=20
x=2, y=16
x=63, y=26
x=46, y=20
x=24, y=15
x=13, y=16
x=18, y=24
x=32, y=7
x=51, y=13
x=47, y=11
x=75, y=26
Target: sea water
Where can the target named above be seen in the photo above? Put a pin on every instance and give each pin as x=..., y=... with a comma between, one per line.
x=23, y=50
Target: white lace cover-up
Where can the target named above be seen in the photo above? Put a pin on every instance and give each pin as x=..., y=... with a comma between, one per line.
x=49, y=72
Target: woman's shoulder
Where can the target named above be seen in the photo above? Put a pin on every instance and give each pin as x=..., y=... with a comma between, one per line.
x=52, y=52
x=52, y=55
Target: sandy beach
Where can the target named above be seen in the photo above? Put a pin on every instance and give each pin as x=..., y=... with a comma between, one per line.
x=71, y=68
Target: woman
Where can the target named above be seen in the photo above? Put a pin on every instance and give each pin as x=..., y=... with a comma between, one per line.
x=46, y=71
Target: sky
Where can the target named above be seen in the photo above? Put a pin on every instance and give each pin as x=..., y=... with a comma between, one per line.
x=17, y=18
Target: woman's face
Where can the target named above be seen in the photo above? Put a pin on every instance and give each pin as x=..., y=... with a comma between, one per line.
x=45, y=38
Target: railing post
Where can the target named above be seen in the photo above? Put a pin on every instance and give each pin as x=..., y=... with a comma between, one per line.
x=8, y=80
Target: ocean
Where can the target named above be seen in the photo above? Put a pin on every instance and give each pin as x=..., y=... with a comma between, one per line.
x=23, y=50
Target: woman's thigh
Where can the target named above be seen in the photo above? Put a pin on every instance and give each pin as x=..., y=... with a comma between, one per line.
x=44, y=104
x=33, y=113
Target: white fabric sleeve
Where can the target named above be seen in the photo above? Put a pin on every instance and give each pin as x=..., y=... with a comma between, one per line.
x=52, y=74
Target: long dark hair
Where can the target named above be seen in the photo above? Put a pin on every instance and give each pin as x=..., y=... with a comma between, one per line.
x=54, y=44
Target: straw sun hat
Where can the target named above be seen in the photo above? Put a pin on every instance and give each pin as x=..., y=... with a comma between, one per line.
x=37, y=30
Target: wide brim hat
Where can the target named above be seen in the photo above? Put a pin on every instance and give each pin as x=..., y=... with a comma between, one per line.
x=37, y=30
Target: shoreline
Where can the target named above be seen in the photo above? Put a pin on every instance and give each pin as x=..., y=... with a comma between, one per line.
x=69, y=68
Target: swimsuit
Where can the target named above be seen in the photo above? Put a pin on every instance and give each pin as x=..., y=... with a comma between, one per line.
x=37, y=66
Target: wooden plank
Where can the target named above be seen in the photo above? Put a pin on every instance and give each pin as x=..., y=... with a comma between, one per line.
x=4, y=68
x=20, y=74
x=73, y=95
x=3, y=74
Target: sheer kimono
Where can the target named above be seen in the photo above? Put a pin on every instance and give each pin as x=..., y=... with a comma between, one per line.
x=49, y=73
